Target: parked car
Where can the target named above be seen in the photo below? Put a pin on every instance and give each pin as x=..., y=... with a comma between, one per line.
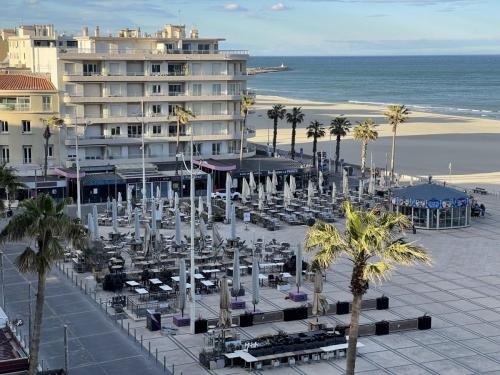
x=221, y=194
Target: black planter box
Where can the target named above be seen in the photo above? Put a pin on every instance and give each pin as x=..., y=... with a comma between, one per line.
x=200, y=326
x=297, y=313
x=342, y=308
x=424, y=322
x=382, y=328
x=246, y=320
x=383, y=303
x=153, y=320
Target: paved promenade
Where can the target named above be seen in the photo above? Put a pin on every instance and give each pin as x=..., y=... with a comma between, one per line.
x=97, y=346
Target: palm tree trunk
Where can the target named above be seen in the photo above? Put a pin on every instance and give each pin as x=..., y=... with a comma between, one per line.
x=242, y=130
x=314, y=151
x=353, y=334
x=177, y=150
x=292, y=149
x=393, y=153
x=37, y=324
x=363, y=159
x=275, y=135
x=337, y=154
x=46, y=157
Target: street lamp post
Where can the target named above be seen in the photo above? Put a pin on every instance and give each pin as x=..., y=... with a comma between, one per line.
x=78, y=201
x=193, y=280
x=144, y=194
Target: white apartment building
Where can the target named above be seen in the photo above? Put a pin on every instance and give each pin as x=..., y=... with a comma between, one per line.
x=117, y=86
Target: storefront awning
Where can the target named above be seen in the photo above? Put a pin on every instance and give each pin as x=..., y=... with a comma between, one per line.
x=215, y=165
x=68, y=173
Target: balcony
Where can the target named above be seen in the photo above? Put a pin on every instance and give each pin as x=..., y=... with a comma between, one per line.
x=149, y=54
x=178, y=97
x=148, y=138
x=15, y=107
x=136, y=77
x=108, y=119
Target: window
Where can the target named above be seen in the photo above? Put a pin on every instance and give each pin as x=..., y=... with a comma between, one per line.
x=155, y=68
x=46, y=103
x=216, y=108
x=134, y=131
x=156, y=129
x=216, y=89
x=172, y=130
x=175, y=90
x=50, y=151
x=197, y=148
x=27, y=154
x=203, y=48
x=215, y=148
x=90, y=69
x=72, y=43
x=115, y=131
x=234, y=89
x=69, y=68
x=156, y=89
x=171, y=109
x=4, y=126
x=26, y=126
x=175, y=69
x=5, y=155
x=186, y=47
x=196, y=89
x=156, y=108
x=23, y=103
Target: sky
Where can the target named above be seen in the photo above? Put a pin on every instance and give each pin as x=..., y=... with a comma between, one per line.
x=289, y=27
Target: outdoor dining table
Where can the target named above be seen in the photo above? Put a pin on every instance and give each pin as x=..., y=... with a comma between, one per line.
x=141, y=291
x=165, y=288
x=155, y=281
x=132, y=283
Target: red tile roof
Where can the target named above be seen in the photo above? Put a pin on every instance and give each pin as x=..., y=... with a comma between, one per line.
x=25, y=82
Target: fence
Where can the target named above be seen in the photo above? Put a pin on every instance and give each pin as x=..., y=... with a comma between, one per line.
x=116, y=319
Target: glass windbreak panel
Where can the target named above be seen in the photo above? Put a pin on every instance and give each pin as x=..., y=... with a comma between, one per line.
x=463, y=216
x=420, y=217
x=433, y=220
x=445, y=218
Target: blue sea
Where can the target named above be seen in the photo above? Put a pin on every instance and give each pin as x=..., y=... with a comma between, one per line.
x=458, y=85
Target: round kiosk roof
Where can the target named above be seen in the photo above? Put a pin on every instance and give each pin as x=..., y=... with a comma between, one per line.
x=430, y=196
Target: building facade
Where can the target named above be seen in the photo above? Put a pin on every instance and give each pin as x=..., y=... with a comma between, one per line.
x=27, y=102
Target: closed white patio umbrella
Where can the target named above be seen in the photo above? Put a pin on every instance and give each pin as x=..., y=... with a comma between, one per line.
x=137, y=226
x=310, y=193
x=345, y=184
x=178, y=239
x=320, y=182
x=200, y=206
x=251, y=183
x=114, y=218
x=233, y=223
x=182, y=286
x=209, y=196
x=334, y=191
x=96, y=222
x=229, y=185
x=255, y=283
x=261, y=197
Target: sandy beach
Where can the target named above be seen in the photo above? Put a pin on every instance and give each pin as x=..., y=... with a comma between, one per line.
x=426, y=144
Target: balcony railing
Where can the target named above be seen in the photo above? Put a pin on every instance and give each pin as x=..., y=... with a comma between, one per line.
x=137, y=51
x=15, y=107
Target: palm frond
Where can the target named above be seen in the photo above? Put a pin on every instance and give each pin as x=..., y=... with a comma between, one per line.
x=26, y=262
x=377, y=271
x=406, y=254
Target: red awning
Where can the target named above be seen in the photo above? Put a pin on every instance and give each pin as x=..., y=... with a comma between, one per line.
x=215, y=165
x=68, y=173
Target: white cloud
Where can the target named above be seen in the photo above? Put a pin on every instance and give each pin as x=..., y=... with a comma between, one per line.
x=233, y=7
x=279, y=6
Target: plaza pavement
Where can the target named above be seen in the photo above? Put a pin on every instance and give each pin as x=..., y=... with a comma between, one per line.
x=461, y=292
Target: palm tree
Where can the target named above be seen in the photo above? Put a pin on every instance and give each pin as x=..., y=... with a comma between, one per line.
x=295, y=117
x=43, y=222
x=395, y=115
x=315, y=130
x=246, y=104
x=276, y=113
x=53, y=122
x=339, y=127
x=371, y=241
x=365, y=132
x=183, y=116
x=8, y=181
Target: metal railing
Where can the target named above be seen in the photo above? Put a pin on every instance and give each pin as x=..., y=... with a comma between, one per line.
x=138, y=51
